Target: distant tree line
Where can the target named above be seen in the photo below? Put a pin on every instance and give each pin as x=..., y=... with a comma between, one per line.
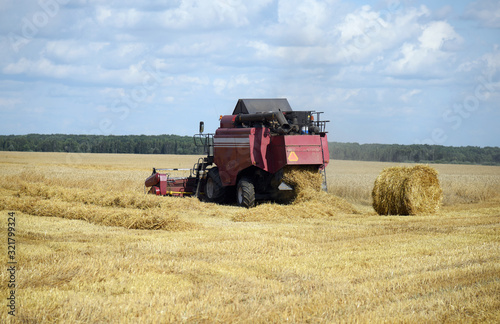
x=415, y=153
x=135, y=144
x=174, y=144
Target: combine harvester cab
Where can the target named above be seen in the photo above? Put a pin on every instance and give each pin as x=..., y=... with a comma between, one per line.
x=249, y=153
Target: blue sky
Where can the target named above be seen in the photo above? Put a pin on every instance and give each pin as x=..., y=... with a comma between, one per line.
x=404, y=72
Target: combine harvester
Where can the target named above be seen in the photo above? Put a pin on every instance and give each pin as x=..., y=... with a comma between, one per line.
x=248, y=154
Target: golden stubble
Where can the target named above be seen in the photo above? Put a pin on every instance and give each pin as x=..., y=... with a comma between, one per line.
x=295, y=265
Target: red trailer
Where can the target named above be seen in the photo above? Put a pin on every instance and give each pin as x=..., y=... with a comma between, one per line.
x=248, y=153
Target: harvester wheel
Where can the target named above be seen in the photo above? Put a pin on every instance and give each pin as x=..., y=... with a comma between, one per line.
x=214, y=191
x=245, y=193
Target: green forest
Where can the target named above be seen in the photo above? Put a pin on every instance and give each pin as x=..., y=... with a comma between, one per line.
x=134, y=144
x=415, y=153
x=173, y=144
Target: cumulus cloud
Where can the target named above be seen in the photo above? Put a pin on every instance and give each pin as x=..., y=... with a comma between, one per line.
x=365, y=32
x=426, y=56
x=486, y=12
x=118, y=18
x=492, y=60
x=210, y=14
x=319, y=36
x=71, y=50
x=301, y=22
x=490, y=77
x=343, y=95
x=406, y=97
x=45, y=68
x=220, y=85
x=189, y=47
x=9, y=103
x=42, y=67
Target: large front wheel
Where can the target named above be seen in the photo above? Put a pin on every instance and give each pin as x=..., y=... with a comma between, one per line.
x=214, y=191
x=245, y=193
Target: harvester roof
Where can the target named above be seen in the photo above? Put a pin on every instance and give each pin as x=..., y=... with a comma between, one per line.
x=253, y=106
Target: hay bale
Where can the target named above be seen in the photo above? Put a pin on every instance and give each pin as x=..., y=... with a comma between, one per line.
x=407, y=191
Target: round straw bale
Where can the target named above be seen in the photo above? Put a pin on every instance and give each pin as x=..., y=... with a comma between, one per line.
x=407, y=191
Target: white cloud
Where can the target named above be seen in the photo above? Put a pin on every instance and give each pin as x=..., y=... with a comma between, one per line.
x=219, y=85
x=358, y=23
x=490, y=75
x=9, y=103
x=343, y=95
x=101, y=109
x=426, y=56
x=443, y=13
x=487, y=12
x=71, y=50
x=206, y=14
x=130, y=49
x=301, y=12
x=313, y=35
x=437, y=34
x=492, y=60
x=112, y=92
x=366, y=33
x=42, y=67
x=119, y=18
x=200, y=81
x=193, y=47
x=240, y=85
x=406, y=97
x=37, y=110
x=302, y=22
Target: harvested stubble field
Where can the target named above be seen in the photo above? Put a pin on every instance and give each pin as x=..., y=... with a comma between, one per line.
x=92, y=248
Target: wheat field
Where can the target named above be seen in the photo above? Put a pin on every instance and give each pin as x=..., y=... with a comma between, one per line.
x=92, y=248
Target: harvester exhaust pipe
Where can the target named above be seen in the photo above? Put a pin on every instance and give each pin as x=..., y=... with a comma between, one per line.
x=278, y=116
x=282, y=121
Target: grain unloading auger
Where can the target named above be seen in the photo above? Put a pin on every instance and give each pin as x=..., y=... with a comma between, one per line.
x=248, y=154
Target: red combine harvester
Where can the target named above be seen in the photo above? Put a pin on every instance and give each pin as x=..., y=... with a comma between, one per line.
x=247, y=155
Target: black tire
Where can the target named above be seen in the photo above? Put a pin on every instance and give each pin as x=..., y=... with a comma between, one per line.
x=245, y=193
x=214, y=191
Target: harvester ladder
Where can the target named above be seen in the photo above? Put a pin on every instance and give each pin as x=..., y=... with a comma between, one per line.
x=324, y=185
x=199, y=170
